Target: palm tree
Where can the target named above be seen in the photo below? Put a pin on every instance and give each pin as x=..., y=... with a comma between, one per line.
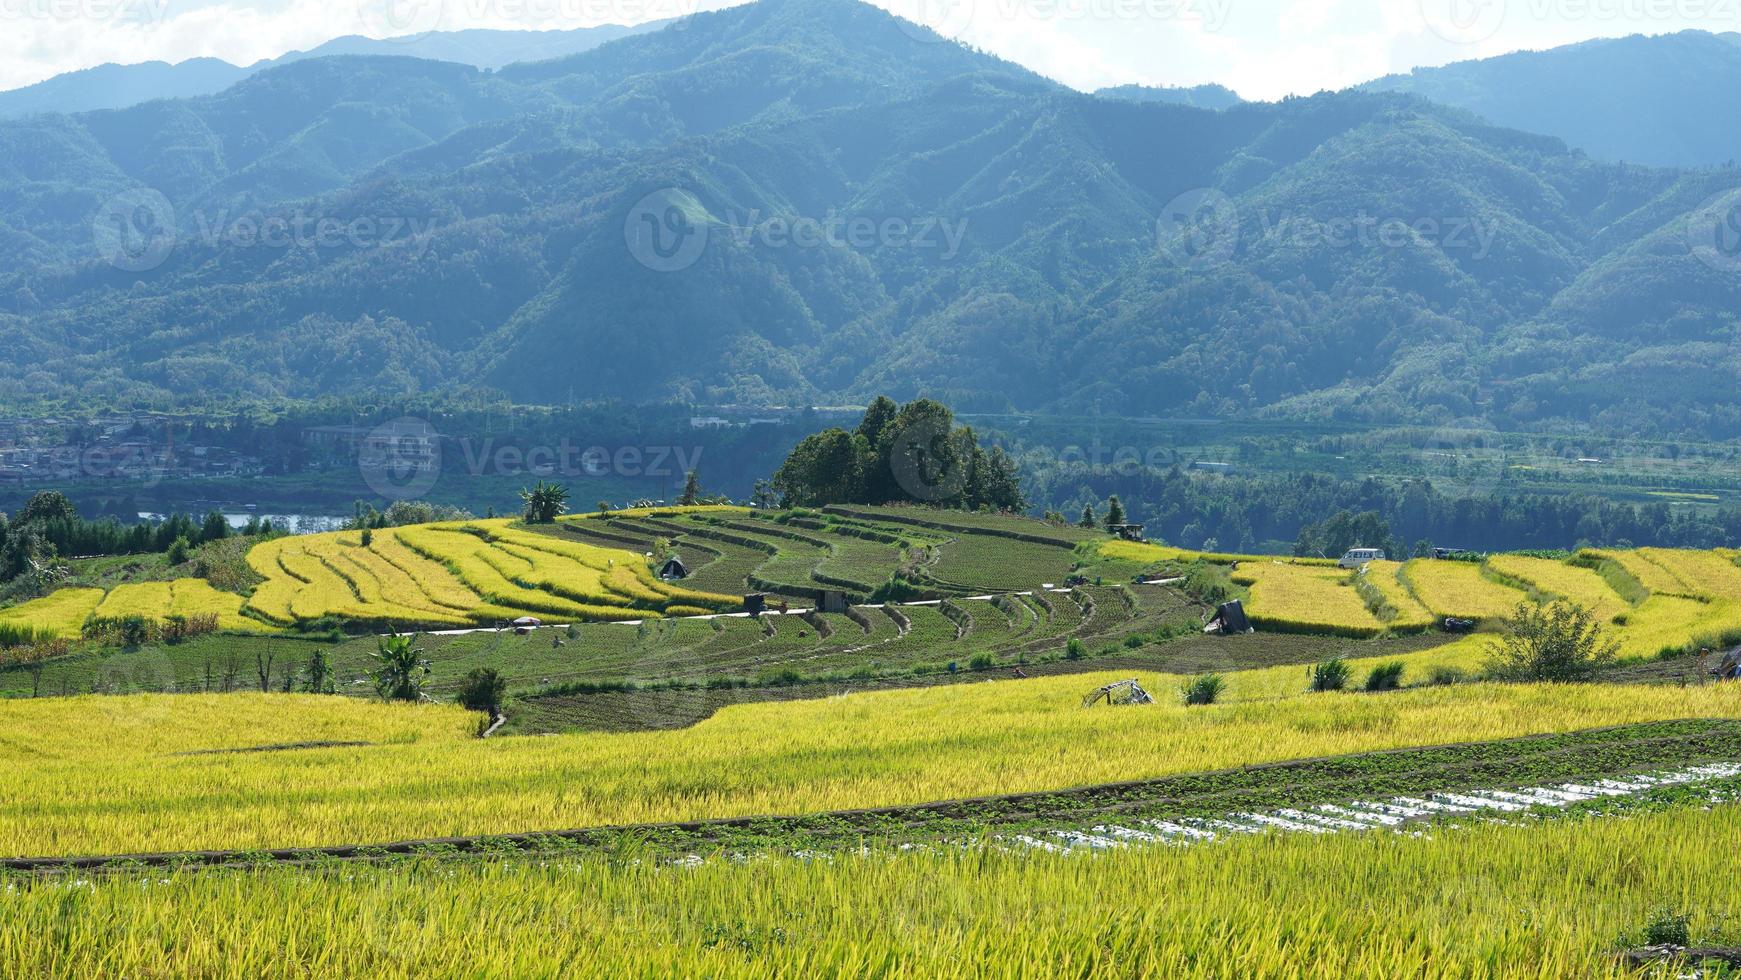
x=545, y=502
x=401, y=670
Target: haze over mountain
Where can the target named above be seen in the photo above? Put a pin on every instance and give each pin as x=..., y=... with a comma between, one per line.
x=801, y=201
x=120, y=86
x=1663, y=101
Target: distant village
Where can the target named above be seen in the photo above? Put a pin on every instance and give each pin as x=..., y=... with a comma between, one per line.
x=51, y=450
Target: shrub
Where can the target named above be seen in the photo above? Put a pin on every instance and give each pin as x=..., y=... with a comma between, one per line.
x=981, y=661
x=1203, y=690
x=1385, y=676
x=1558, y=642
x=18, y=635
x=1073, y=650
x=1207, y=582
x=483, y=690
x=1444, y=676
x=1133, y=641
x=1667, y=928
x=178, y=549
x=1329, y=675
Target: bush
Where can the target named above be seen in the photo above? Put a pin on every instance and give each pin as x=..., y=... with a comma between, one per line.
x=1133, y=641
x=1073, y=650
x=1385, y=677
x=1558, y=642
x=1668, y=928
x=1329, y=675
x=178, y=550
x=981, y=661
x=1206, y=582
x=1203, y=690
x=483, y=690
x=1443, y=676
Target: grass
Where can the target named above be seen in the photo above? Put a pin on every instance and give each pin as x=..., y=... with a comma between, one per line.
x=1554, y=899
x=865, y=750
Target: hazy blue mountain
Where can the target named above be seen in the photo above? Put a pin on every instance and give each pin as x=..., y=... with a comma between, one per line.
x=1664, y=101
x=1199, y=96
x=1380, y=257
x=120, y=86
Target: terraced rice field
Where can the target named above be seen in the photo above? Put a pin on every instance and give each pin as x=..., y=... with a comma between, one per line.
x=60, y=614
x=1459, y=589
x=1543, y=899
x=1406, y=611
x=1705, y=574
x=1305, y=598
x=186, y=597
x=459, y=574
x=865, y=750
x=1557, y=579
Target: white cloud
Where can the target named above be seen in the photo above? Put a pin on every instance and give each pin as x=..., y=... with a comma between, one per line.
x=1261, y=48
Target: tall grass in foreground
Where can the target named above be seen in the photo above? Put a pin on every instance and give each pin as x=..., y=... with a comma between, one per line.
x=1549, y=900
x=863, y=750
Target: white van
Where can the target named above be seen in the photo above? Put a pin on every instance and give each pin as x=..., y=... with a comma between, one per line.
x=1357, y=557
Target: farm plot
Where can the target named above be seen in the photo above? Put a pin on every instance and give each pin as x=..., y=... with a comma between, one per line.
x=186, y=597
x=1305, y=598
x=1558, y=579
x=1706, y=574
x=1405, y=611
x=59, y=614
x=979, y=563
x=1649, y=573
x=1458, y=588
x=461, y=573
x=871, y=749
x=1544, y=899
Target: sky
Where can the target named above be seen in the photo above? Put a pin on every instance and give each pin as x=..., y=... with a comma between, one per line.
x=1263, y=49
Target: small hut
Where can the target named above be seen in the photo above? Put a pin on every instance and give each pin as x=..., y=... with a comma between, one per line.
x=673, y=569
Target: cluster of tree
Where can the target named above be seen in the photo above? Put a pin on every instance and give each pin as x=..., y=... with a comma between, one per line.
x=1239, y=512
x=401, y=513
x=49, y=527
x=912, y=453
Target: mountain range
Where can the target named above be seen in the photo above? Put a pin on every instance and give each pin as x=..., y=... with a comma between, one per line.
x=799, y=201
x=113, y=86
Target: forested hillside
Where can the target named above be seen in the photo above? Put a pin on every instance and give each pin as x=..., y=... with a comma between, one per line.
x=1013, y=245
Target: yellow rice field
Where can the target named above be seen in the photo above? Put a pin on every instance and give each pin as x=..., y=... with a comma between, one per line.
x=459, y=573
x=1410, y=612
x=1542, y=900
x=1305, y=598
x=1148, y=552
x=1560, y=580
x=866, y=749
x=182, y=597
x=1457, y=588
x=1707, y=574
x=61, y=613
